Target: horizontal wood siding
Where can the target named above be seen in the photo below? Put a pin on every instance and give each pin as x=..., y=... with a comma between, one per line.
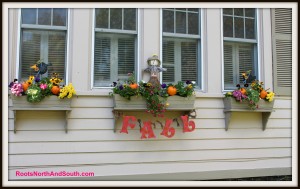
x=41, y=144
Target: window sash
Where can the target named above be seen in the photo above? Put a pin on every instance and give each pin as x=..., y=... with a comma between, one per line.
x=118, y=60
x=238, y=58
x=181, y=58
x=41, y=47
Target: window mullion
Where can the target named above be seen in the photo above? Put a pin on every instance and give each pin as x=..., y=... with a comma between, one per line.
x=114, y=58
x=177, y=61
x=44, y=48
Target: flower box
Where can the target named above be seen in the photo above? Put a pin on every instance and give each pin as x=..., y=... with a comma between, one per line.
x=49, y=103
x=138, y=103
x=231, y=105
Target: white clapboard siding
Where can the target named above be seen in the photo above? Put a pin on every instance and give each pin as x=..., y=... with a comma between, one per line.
x=140, y=157
x=145, y=146
x=104, y=124
x=87, y=135
x=41, y=142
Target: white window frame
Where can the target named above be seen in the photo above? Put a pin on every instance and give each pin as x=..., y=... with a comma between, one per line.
x=257, y=41
x=199, y=86
x=43, y=27
x=115, y=31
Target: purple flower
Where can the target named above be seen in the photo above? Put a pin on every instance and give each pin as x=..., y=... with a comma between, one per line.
x=246, y=85
x=238, y=85
x=163, y=85
x=121, y=87
x=237, y=94
x=188, y=82
x=114, y=84
x=37, y=79
x=11, y=84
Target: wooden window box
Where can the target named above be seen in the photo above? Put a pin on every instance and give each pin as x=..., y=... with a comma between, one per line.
x=138, y=103
x=50, y=103
x=231, y=105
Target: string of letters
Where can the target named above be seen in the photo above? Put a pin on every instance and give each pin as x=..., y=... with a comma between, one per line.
x=147, y=131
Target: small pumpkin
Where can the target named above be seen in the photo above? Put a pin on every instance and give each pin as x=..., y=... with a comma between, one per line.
x=171, y=90
x=133, y=86
x=243, y=91
x=263, y=94
x=55, y=90
x=25, y=86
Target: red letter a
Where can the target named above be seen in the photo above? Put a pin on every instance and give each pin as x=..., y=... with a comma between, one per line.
x=147, y=129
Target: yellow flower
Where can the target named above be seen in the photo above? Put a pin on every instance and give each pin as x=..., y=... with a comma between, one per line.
x=270, y=96
x=167, y=104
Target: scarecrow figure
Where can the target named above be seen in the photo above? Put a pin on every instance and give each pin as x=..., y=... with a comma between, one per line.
x=154, y=68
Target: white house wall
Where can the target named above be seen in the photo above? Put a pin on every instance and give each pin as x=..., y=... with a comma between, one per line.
x=90, y=145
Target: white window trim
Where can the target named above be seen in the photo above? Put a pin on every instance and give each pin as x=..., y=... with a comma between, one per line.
x=94, y=30
x=258, y=41
x=20, y=26
x=200, y=36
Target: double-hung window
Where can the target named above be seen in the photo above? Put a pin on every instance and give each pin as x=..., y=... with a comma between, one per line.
x=43, y=37
x=240, y=45
x=181, y=45
x=115, y=45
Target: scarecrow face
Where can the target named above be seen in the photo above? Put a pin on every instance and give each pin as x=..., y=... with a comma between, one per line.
x=154, y=63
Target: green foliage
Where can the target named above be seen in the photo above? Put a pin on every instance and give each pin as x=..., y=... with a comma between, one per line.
x=252, y=98
x=34, y=93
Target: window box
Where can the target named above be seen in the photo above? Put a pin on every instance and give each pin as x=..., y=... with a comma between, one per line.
x=50, y=103
x=231, y=105
x=137, y=103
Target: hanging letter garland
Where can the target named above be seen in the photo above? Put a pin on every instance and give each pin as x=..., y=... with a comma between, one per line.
x=147, y=131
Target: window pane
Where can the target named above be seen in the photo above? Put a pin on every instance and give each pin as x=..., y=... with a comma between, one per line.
x=102, y=60
x=189, y=61
x=29, y=16
x=44, y=16
x=250, y=13
x=126, y=56
x=181, y=9
x=116, y=18
x=228, y=65
x=227, y=11
x=114, y=58
x=50, y=46
x=239, y=12
x=168, y=61
x=250, y=28
x=57, y=53
x=194, y=10
x=59, y=17
x=228, y=26
x=101, y=18
x=30, y=52
x=180, y=22
x=239, y=27
x=193, y=20
x=168, y=21
x=246, y=60
x=129, y=19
